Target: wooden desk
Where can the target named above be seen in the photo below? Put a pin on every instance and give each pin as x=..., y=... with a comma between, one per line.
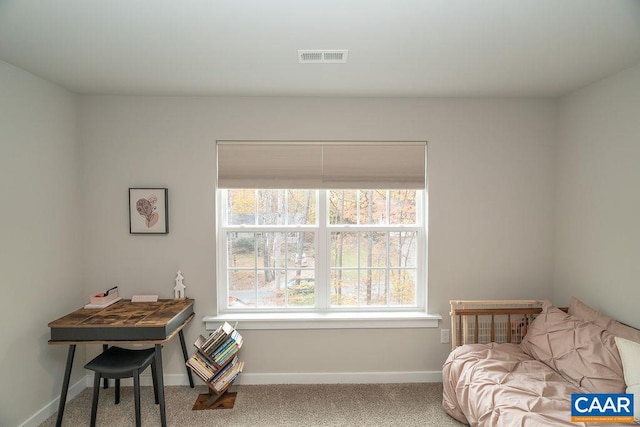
x=152, y=323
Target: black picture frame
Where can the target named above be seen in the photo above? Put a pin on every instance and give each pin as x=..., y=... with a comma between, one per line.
x=148, y=210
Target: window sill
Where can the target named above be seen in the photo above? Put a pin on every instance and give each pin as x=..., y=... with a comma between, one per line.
x=360, y=320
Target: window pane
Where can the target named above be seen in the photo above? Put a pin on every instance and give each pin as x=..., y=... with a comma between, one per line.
x=402, y=249
x=288, y=280
x=241, y=249
x=373, y=287
x=301, y=207
x=301, y=252
x=370, y=207
x=343, y=206
x=403, y=287
x=373, y=207
x=402, y=208
x=300, y=271
x=373, y=249
x=273, y=251
x=242, y=288
x=344, y=249
x=344, y=287
x=359, y=264
x=290, y=289
x=301, y=289
x=267, y=291
x=286, y=251
x=241, y=207
x=271, y=207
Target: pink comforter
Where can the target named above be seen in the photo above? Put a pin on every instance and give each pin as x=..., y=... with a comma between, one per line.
x=499, y=385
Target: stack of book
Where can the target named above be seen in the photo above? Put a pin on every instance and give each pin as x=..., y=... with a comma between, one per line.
x=216, y=361
x=214, y=340
x=202, y=367
x=227, y=375
x=227, y=349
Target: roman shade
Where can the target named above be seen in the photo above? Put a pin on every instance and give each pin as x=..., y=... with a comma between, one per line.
x=318, y=165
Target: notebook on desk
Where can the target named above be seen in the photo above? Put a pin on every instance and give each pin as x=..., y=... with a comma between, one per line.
x=144, y=298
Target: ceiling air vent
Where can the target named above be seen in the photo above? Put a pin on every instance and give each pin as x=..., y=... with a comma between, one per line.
x=336, y=56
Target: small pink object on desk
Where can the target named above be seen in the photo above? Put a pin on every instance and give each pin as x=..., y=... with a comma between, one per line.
x=104, y=299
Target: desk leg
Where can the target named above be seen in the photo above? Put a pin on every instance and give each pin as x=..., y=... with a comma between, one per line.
x=160, y=382
x=65, y=384
x=186, y=357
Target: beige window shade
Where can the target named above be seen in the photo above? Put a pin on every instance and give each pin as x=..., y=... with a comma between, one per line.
x=255, y=165
x=389, y=165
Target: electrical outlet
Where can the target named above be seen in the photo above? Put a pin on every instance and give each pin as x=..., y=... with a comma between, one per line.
x=444, y=336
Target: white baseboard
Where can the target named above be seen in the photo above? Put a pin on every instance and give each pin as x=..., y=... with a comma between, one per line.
x=303, y=378
x=341, y=378
x=254, y=379
x=52, y=407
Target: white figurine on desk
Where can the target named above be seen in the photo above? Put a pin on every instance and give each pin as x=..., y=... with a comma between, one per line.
x=180, y=287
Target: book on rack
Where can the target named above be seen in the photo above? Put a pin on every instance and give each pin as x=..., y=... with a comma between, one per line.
x=224, y=373
x=199, y=342
x=217, y=337
x=202, y=367
x=212, y=342
x=212, y=345
x=220, y=385
x=206, y=360
x=230, y=349
x=227, y=356
x=224, y=370
x=234, y=339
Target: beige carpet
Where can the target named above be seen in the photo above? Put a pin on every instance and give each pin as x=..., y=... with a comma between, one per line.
x=274, y=405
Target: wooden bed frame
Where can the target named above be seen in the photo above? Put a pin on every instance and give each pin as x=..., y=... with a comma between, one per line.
x=483, y=321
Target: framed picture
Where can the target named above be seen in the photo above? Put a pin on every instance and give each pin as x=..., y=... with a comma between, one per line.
x=148, y=211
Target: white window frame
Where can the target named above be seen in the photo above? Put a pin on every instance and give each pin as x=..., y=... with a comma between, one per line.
x=323, y=315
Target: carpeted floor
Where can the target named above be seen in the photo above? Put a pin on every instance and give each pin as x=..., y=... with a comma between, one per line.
x=336, y=405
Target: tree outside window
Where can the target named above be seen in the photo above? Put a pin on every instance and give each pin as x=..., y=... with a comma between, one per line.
x=285, y=248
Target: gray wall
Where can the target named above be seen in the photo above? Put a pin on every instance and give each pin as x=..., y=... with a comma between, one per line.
x=491, y=173
x=598, y=197
x=40, y=247
x=493, y=170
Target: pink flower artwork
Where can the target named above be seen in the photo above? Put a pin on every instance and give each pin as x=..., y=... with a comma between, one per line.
x=147, y=209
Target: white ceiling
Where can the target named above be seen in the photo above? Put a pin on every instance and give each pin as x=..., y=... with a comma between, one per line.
x=249, y=47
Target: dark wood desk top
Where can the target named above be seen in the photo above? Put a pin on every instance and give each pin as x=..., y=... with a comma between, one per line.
x=123, y=321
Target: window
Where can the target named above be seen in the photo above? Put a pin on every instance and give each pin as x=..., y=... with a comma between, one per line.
x=291, y=248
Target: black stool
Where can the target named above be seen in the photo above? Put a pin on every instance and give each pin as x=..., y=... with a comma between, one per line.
x=117, y=363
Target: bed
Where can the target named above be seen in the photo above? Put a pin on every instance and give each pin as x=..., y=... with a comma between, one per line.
x=516, y=363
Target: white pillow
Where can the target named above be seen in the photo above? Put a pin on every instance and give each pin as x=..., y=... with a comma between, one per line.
x=630, y=355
